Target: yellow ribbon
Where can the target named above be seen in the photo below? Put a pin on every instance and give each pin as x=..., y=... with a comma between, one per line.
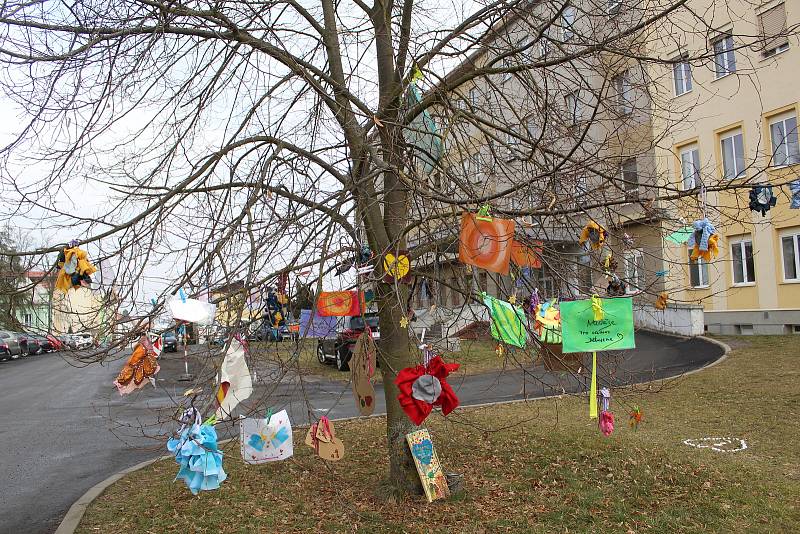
x=593, y=389
x=597, y=308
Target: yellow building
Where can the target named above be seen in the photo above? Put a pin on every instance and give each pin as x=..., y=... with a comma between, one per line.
x=733, y=120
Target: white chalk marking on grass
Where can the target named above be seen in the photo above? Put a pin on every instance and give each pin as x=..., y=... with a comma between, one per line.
x=717, y=444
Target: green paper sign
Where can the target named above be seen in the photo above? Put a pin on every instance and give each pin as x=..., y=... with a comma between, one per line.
x=582, y=333
x=681, y=236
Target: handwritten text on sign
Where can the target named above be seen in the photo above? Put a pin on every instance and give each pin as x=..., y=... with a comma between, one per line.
x=581, y=333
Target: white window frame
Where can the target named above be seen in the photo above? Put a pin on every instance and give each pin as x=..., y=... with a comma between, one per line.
x=738, y=246
x=623, y=93
x=733, y=135
x=631, y=190
x=634, y=277
x=473, y=97
x=573, y=109
x=788, y=158
x=702, y=278
x=693, y=180
x=568, y=18
x=724, y=57
x=685, y=69
x=27, y=319
x=794, y=235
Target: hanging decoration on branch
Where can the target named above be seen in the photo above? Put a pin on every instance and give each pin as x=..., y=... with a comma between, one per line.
x=595, y=234
x=526, y=256
x=704, y=240
x=422, y=133
x=762, y=199
x=362, y=369
x=794, y=189
x=266, y=440
x=486, y=241
x=235, y=383
x=424, y=386
x=547, y=322
x=635, y=417
x=75, y=268
x=679, y=237
x=508, y=321
x=142, y=366
x=196, y=453
x=339, y=303
x=322, y=438
x=661, y=301
x=190, y=310
x=434, y=482
x=606, y=421
x=397, y=268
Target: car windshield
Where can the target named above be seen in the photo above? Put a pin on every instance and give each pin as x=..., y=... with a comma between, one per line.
x=357, y=323
x=169, y=335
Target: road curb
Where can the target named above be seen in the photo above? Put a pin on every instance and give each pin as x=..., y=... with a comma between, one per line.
x=75, y=513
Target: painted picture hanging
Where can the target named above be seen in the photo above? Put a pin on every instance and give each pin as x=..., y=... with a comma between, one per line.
x=141, y=368
x=197, y=454
x=75, y=269
x=486, y=242
x=526, y=256
x=235, y=383
x=362, y=369
x=424, y=386
x=266, y=440
x=434, y=483
x=321, y=437
x=316, y=325
x=508, y=321
x=338, y=304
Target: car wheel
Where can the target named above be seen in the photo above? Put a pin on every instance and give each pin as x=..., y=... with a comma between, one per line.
x=342, y=359
x=321, y=358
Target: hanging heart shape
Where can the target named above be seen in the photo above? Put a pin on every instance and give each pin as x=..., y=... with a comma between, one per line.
x=397, y=267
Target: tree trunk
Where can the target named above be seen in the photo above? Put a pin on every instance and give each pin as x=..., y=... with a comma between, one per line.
x=397, y=353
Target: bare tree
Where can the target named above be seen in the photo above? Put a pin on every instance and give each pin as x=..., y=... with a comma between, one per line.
x=240, y=140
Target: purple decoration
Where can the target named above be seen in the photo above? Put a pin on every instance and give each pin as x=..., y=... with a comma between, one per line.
x=316, y=326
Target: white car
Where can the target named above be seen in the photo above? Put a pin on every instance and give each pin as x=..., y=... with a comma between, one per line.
x=82, y=340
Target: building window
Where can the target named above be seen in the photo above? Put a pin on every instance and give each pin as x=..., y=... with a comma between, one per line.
x=698, y=272
x=623, y=93
x=614, y=7
x=772, y=24
x=790, y=247
x=724, y=58
x=743, y=264
x=473, y=168
x=534, y=130
x=27, y=319
x=634, y=271
x=506, y=63
x=572, y=105
x=682, y=75
x=783, y=132
x=690, y=167
x=630, y=178
x=568, y=21
x=473, y=97
x=581, y=189
x=733, y=155
x=585, y=274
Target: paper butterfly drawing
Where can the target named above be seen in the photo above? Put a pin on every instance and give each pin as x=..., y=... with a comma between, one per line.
x=266, y=440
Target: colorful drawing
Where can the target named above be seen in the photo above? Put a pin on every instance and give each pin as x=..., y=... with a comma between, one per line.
x=526, y=256
x=430, y=471
x=582, y=333
x=486, y=242
x=508, y=321
x=266, y=440
x=338, y=304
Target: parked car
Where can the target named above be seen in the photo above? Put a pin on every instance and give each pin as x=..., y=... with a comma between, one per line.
x=340, y=348
x=170, y=342
x=16, y=344
x=5, y=354
x=82, y=340
x=44, y=343
x=34, y=346
x=55, y=342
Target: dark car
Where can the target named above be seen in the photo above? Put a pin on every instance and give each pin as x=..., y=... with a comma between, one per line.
x=170, y=342
x=34, y=346
x=16, y=344
x=340, y=348
x=44, y=344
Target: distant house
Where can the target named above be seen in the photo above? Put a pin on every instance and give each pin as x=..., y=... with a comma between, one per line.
x=34, y=312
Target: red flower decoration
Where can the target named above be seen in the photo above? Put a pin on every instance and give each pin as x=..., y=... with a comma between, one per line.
x=416, y=409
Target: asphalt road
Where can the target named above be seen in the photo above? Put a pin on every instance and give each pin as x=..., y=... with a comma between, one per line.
x=64, y=428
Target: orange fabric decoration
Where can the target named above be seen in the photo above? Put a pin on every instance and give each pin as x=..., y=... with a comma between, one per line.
x=338, y=304
x=594, y=234
x=486, y=242
x=711, y=253
x=661, y=301
x=526, y=256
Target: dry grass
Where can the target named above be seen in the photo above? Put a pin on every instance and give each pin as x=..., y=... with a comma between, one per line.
x=529, y=467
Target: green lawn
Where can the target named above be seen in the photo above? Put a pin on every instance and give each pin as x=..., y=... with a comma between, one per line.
x=539, y=466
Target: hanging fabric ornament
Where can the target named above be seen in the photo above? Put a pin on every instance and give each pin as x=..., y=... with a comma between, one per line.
x=339, y=304
x=142, y=365
x=594, y=234
x=235, y=382
x=606, y=421
x=762, y=199
x=415, y=407
x=486, y=242
x=597, y=308
x=704, y=240
x=661, y=301
x=794, y=189
x=196, y=453
x=508, y=321
x=635, y=418
x=75, y=269
x=616, y=287
x=610, y=264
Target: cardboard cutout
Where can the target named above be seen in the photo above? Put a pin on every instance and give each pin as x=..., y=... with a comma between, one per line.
x=362, y=368
x=322, y=438
x=485, y=242
x=397, y=268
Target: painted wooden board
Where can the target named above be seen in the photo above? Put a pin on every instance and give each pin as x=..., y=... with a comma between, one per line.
x=430, y=470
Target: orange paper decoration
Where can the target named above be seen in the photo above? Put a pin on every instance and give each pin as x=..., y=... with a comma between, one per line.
x=338, y=304
x=485, y=242
x=525, y=256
